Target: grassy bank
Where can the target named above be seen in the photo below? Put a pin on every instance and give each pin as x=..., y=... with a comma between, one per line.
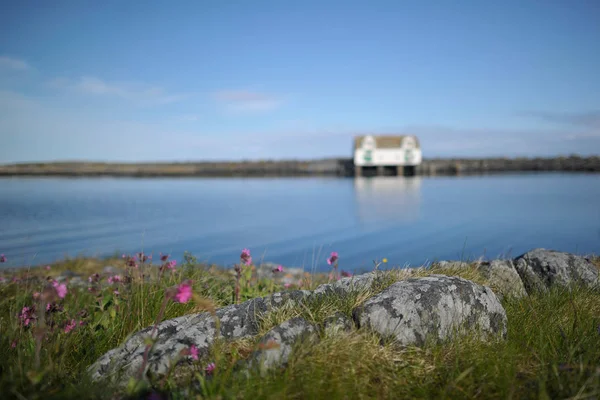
x=552, y=349
x=299, y=168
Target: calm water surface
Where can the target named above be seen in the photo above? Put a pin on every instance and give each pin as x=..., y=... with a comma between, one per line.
x=298, y=222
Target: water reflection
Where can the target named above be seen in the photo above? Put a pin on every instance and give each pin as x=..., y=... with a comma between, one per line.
x=387, y=199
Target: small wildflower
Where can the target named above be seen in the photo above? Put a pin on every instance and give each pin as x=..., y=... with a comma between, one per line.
x=210, y=368
x=246, y=257
x=116, y=292
x=2, y=258
x=47, y=267
x=279, y=268
x=61, y=289
x=13, y=344
x=15, y=279
x=164, y=257
x=53, y=307
x=332, y=258
x=346, y=274
x=194, y=352
x=184, y=293
x=384, y=260
x=130, y=261
x=142, y=257
x=70, y=326
x=115, y=279
x=287, y=285
x=171, y=265
x=27, y=315
x=94, y=278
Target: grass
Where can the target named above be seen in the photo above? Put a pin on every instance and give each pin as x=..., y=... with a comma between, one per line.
x=552, y=348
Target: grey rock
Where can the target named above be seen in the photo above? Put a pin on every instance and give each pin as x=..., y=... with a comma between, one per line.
x=451, y=264
x=503, y=278
x=77, y=282
x=172, y=336
x=541, y=269
x=337, y=323
x=278, y=343
x=69, y=274
x=349, y=284
x=434, y=307
x=110, y=270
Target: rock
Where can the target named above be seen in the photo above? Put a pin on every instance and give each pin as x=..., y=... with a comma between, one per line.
x=417, y=309
x=349, y=284
x=451, y=264
x=503, y=278
x=338, y=322
x=541, y=269
x=278, y=343
x=172, y=336
x=77, y=282
x=110, y=270
x=69, y=274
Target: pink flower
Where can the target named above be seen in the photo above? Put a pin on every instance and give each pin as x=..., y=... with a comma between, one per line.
x=164, y=257
x=13, y=344
x=61, y=289
x=130, y=261
x=171, y=265
x=27, y=315
x=346, y=274
x=278, y=269
x=36, y=295
x=70, y=326
x=2, y=279
x=209, y=369
x=2, y=258
x=246, y=257
x=94, y=278
x=194, y=352
x=47, y=267
x=116, y=293
x=115, y=279
x=332, y=258
x=184, y=293
x=287, y=285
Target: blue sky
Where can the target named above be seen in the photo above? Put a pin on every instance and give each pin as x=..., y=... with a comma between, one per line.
x=194, y=80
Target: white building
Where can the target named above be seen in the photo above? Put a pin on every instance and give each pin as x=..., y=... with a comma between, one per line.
x=386, y=151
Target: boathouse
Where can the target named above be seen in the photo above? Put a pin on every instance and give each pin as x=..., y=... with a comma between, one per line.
x=386, y=155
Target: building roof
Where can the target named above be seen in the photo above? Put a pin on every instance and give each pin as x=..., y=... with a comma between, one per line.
x=385, y=142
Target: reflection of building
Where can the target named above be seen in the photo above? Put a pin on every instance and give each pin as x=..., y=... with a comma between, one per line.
x=387, y=199
x=386, y=155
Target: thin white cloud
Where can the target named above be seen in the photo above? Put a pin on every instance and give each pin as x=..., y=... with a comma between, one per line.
x=586, y=119
x=584, y=136
x=14, y=63
x=135, y=92
x=246, y=101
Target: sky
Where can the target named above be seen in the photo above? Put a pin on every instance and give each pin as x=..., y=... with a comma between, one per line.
x=245, y=80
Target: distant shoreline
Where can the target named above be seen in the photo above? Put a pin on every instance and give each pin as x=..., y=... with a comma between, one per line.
x=340, y=167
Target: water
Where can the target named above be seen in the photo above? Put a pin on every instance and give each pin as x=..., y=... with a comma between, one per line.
x=299, y=221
